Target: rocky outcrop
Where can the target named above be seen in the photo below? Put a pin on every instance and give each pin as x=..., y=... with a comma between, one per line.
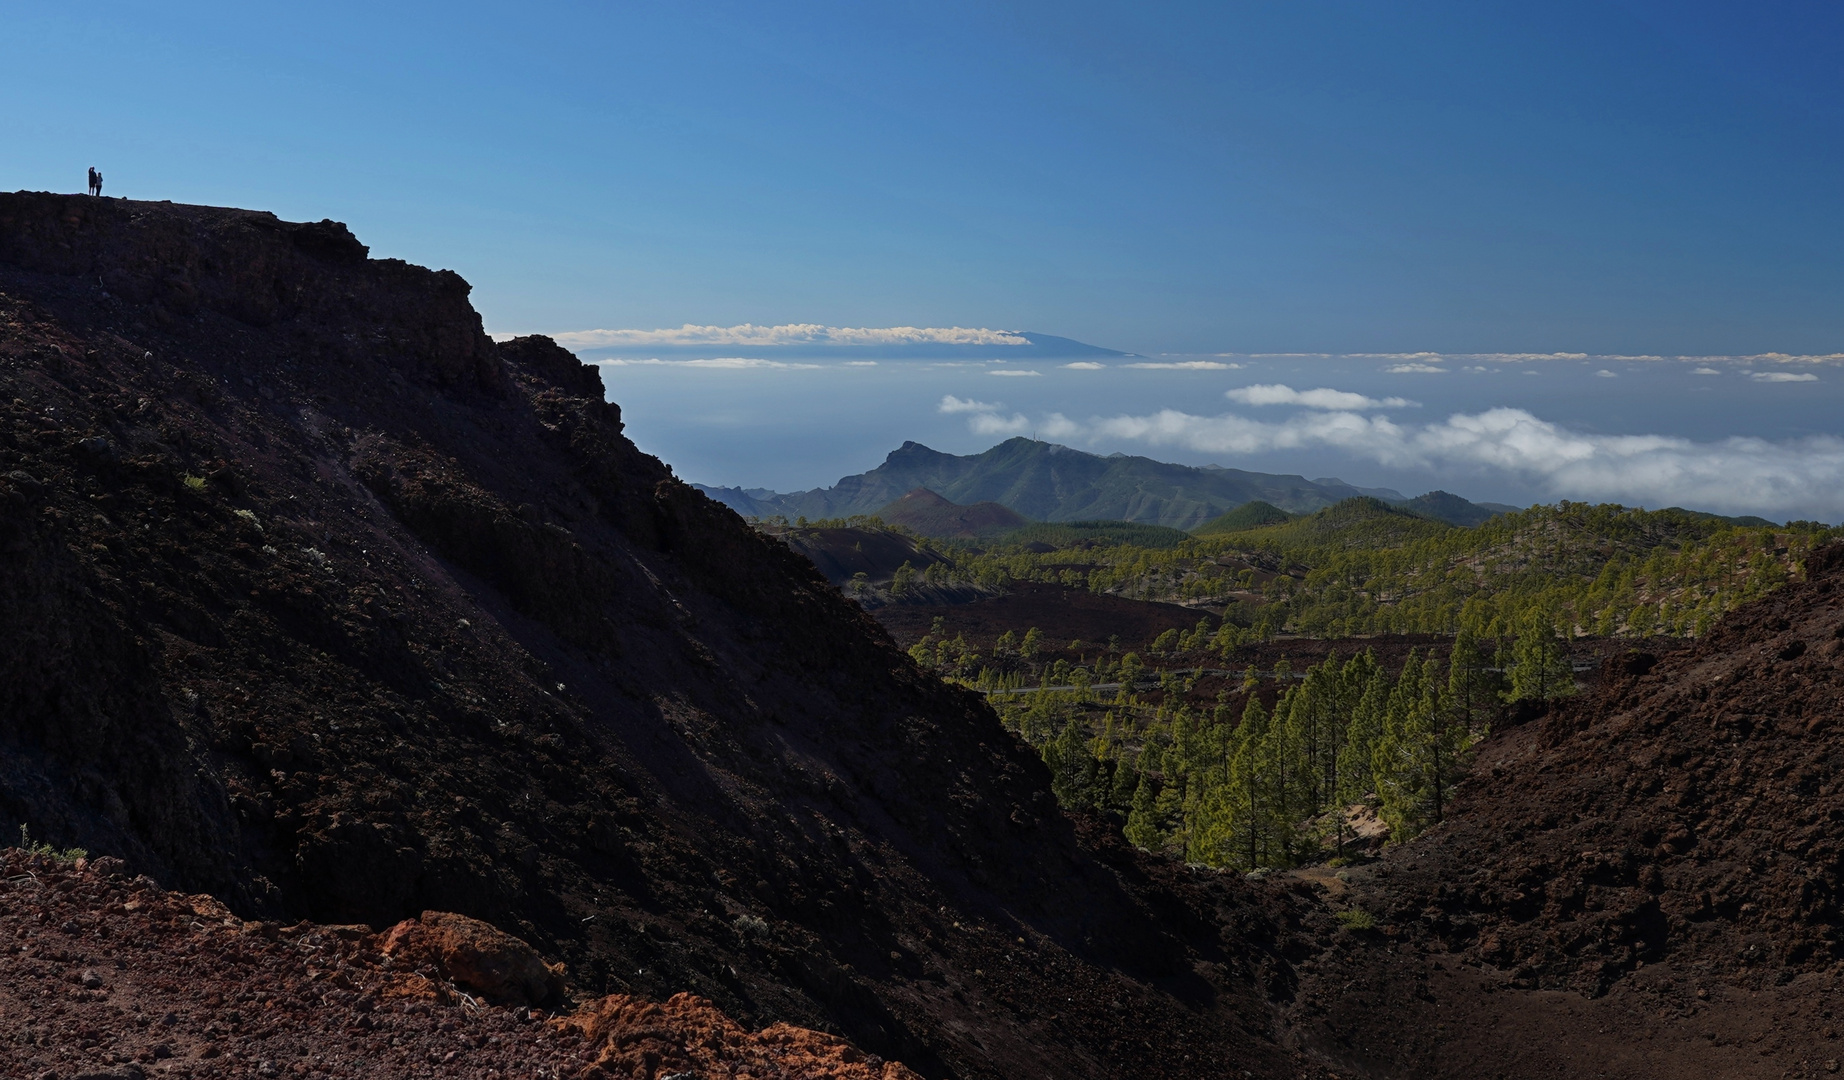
x=173, y=264
x=474, y=955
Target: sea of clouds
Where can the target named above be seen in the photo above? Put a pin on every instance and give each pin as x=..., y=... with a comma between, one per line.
x=1771, y=463
x=1741, y=475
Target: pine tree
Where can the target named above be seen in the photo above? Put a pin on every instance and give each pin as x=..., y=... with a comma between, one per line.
x=1354, y=679
x=1126, y=781
x=1168, y=812
x=1072, y=767
x=1280, y=763
x=1248, y=802
x=1406, y=760
x=1142, y=820
x=1540, y=667
x=1471, y=684
x=1313, y=718
x=1355, y=780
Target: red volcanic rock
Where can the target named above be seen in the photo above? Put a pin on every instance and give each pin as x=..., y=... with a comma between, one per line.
x=686, y=1036
x=473, y=954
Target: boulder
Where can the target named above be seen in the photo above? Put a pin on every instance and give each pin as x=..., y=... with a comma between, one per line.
x=475, y=955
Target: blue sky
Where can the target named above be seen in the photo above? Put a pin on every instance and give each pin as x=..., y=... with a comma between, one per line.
x=1325, y=178
x=1604, y=177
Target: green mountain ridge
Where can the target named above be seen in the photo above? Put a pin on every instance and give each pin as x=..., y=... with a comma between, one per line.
x=1048, y=482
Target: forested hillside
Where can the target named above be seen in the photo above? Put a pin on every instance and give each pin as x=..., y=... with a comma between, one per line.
x=1364, y=567
x=1202, y=744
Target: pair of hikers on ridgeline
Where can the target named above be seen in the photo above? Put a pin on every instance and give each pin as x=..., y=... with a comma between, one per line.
x=95, y=181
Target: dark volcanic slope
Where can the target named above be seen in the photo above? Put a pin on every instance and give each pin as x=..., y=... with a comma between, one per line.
x=317, y=600
x=1646, y=882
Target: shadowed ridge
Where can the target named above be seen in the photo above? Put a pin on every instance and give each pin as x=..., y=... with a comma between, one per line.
x=327, y=605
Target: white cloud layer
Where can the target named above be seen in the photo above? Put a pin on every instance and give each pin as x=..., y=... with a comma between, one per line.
x=1783, y=376
x=1737, y=475
x=1184, y=365
x=749, y=334
x=1085, y=365
x=1322, y=398
x=994, y=424
x=1532, y=358
x=952, y=404
x=1014, y=372
x=725, y=363
x=1431, y=362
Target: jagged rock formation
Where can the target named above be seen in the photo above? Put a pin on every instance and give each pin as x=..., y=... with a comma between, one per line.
x=318, y=601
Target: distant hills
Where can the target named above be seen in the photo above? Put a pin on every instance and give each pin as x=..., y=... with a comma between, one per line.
x=1250, y=515
x=1454, y=510
x=931, y=515
x=1047, y=482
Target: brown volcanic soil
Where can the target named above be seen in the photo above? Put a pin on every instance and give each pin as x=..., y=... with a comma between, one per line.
x=1643, y=883
x=116, y=979
x=321, y=603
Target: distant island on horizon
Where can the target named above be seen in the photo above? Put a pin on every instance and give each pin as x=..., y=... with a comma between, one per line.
x=1023, y=345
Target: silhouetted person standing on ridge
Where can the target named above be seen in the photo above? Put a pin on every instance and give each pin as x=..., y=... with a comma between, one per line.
x=95, y=181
